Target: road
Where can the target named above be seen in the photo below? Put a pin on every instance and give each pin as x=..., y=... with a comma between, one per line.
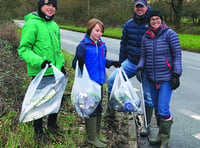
x=185, y=103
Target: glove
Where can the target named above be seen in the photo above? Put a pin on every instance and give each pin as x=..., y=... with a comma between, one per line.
x=139, y=74
x=175, y=82
x=44, y=64
x=116, y=64
x=63, y=70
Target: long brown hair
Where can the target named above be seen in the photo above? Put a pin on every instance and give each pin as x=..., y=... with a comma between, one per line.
x=91, y=24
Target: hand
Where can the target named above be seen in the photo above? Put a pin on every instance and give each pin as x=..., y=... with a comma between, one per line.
x=116, y=64
x=44, y=64
x=63, y=70
x=175, y=82
x=139, y=75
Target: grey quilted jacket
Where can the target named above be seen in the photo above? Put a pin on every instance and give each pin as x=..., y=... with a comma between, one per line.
x=161, y=55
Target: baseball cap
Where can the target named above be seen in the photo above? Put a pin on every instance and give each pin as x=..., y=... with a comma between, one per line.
x=140, y=2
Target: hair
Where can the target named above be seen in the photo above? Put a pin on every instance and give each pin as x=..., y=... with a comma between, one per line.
x=92, y=23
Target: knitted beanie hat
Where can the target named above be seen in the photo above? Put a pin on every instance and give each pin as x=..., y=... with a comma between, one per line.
x=44, y=2
x=155, y=12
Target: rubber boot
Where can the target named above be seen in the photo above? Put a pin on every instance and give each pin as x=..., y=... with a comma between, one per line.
x=149, y=112
x=109, y=113
x=51, y=124
x=91, y=129
x=99, y=130
x=165, y=134
x=40, y=136
x=157, y=139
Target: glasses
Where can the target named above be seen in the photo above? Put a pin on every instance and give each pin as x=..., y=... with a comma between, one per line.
x=154, y=19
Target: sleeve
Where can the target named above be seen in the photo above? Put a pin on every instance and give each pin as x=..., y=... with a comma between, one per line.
x=176, y=53
x=79, y=55
x=109, y=63
x=142, y=55
x=61, y=55
x=25, y=50
x=123, y=44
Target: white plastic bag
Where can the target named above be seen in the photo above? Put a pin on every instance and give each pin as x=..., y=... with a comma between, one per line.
x=43, y=95
x=123, y=97
x=86, y=93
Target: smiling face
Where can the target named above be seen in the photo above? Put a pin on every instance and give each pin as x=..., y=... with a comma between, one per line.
x=48, y=9
x=155, y=21
x=96, y=33
x=140, y=10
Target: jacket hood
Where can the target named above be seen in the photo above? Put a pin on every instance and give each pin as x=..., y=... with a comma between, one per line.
x=152, y=32
x=87, y=40
x=33, y=15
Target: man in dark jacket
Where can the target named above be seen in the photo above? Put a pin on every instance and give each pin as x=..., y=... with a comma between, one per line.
x=129, y=56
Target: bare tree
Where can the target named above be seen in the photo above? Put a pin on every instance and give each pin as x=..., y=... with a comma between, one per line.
x=176, y=6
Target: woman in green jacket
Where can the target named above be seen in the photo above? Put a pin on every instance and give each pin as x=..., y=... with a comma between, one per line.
x=40, y=45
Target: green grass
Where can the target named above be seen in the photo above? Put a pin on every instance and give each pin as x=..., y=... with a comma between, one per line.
x=190, y=42
x=14, y=134
x=187, y=41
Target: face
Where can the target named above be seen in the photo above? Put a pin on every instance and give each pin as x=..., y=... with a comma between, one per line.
x=48, y=9
x=96, y=33
x=155, y=21
x=140, y=10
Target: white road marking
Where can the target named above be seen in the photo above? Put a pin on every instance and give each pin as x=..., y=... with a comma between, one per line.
x=196, y=68
x=197, y=136
x=190, y=114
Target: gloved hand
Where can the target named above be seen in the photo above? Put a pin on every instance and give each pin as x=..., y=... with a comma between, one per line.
x=44, y=64
x=116, y=64
x=139, y=74
x=175, y=82
x=63, y=70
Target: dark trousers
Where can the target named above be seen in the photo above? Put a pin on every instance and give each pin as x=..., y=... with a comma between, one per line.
x=38, y=124
x=98, y=110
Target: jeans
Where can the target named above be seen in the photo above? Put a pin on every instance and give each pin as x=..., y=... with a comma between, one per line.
x=130, y=70
x=161, y=96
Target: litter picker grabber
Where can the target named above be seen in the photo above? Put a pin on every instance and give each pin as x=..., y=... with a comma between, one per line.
x=143, y=107
x=143, y=104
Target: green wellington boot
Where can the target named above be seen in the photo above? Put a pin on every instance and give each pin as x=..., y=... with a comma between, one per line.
x=157, y=139
x=109, y=113
x=99, y=131
x=91, y=129
x=149, y=112
x=165, y=134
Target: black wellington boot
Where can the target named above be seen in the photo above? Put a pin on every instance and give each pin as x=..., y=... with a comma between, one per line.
x=39, y=135
x=52, y=123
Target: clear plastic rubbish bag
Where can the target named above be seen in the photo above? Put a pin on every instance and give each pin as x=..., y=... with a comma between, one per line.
x=43, y=95
x=86, y=93
x=123, y=97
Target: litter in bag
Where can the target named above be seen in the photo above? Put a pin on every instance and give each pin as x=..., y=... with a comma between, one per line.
x=86, y=93
x=43, y=95
x=123, y=97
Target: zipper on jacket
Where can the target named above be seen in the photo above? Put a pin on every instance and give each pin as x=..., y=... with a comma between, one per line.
x=98, y=57
x=154, y=52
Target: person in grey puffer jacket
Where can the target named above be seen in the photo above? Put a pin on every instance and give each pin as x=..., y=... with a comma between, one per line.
x=161, y=59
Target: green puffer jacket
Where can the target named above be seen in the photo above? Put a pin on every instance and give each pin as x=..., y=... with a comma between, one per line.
x=40, y=41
